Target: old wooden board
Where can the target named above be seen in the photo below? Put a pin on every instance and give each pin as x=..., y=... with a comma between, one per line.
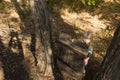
x=68, y=71
x=73, y=47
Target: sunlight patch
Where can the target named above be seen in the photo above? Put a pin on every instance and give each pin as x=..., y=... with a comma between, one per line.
x=83, y=20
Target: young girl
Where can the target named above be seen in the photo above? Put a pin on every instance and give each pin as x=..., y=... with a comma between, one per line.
x=87, y=39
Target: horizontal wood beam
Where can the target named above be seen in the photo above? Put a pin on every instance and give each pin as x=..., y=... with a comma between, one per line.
x=72, y=73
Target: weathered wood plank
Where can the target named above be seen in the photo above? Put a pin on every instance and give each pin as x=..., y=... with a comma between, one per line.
x=71, y=72
x=72, y=46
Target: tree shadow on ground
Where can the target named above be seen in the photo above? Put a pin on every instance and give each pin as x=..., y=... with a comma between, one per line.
x=27, y=36
x=12, y=59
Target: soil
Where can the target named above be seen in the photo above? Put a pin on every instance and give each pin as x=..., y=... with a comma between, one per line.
x=16, y=33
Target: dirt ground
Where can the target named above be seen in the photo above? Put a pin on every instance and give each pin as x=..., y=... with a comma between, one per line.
x=100, y=22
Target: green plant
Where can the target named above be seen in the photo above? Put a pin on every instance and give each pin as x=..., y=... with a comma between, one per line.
x=92, y=2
